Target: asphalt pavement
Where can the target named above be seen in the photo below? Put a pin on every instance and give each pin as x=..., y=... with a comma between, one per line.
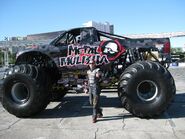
x=70, y=118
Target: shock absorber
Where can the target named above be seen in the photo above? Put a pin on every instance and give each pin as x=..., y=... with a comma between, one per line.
x=135, y=55
x=131, y=55
x=139, y=55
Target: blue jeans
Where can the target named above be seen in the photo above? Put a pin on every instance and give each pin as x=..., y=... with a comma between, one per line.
x=94, y=98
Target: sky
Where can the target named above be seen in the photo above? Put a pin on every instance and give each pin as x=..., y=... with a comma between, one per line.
x=23, y=17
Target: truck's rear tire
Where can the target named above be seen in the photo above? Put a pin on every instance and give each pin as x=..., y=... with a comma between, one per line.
x=146, y=89
x=25, y=91
x=58, y=92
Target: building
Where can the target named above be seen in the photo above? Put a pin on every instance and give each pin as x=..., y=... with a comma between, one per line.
x=15, y=44
x=44, y=36
x=17, y=38
x=105, y=27
x=156, y=35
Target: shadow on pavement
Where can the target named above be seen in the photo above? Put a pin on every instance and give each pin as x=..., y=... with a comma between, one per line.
x=120, y=116
x=77, y=106
x=176, y=109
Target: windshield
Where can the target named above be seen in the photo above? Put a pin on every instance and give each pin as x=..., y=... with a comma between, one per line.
x=57, y=38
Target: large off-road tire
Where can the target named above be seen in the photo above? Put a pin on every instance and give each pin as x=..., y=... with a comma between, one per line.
x=146, y=89
x=25, y=90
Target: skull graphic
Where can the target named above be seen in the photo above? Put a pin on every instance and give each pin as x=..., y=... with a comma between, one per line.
x=111, y=48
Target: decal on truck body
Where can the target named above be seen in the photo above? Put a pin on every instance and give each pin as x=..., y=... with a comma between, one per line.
x=112, y=48
x=81, y=55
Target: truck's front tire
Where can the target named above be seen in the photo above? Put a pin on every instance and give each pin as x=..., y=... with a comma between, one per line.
x=25, y=91
x=146, y=89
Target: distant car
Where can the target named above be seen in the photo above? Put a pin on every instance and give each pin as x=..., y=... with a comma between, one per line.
x=139, y=66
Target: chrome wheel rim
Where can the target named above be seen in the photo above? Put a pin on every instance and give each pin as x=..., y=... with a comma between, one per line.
x=147, y=90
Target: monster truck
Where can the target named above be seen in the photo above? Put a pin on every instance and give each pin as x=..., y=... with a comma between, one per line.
x=137, y=66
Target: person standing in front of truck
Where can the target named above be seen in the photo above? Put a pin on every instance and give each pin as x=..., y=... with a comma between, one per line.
x=94, y=76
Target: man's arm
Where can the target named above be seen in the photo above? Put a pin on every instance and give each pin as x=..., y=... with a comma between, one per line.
x=98, y=74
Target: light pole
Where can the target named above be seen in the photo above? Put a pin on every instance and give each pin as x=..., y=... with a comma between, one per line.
x=6, y=63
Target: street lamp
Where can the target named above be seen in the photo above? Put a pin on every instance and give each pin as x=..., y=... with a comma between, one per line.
x=6, y=63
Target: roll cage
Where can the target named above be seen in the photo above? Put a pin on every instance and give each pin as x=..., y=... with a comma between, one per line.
x=84, y=35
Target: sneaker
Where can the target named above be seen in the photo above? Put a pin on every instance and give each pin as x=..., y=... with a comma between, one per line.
x=99, y=115
x=94, y=119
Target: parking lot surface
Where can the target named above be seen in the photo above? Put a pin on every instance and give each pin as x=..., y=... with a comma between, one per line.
x=70, y=118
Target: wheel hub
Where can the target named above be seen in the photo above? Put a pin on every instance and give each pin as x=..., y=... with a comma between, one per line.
x=147, y=90
x=20, y=93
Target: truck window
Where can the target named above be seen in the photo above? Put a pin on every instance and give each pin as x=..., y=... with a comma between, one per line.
x=88, y=36
x=67, y=38
x=62, y=40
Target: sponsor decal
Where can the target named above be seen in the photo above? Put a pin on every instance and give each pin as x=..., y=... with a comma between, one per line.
x=81, y=55
x=113, y=49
